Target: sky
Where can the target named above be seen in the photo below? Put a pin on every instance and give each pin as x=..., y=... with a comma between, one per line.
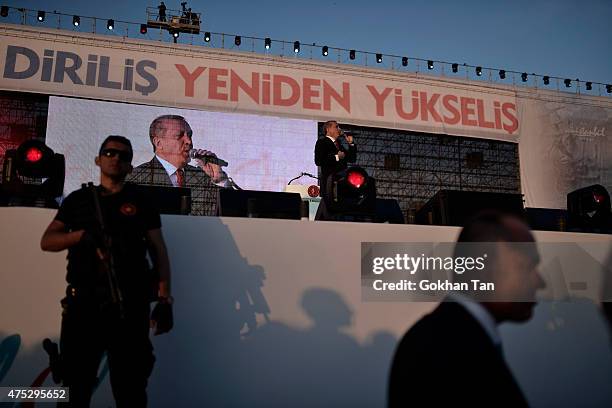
x=560, y=38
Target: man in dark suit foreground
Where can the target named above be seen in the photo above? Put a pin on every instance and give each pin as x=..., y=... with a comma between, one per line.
x=332, y=157
x=453, y=356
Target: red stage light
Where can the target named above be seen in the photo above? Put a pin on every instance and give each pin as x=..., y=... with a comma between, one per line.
x=599, y=198
x=355, y=179
x=33, y=154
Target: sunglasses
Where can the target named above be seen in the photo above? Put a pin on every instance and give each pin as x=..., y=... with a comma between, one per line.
x=124, y=155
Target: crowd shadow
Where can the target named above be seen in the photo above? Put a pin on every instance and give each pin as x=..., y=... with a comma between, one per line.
x=226, y=351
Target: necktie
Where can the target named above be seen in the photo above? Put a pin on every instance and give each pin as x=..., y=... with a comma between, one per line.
x=180, y=177
x=337, y=143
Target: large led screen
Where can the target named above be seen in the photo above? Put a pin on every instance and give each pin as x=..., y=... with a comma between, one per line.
x=263, y=152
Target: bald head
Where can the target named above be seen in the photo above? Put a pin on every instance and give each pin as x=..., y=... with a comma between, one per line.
x=511, y=264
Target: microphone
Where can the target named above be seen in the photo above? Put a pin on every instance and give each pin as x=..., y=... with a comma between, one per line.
x=343, y=134
x=207, y=158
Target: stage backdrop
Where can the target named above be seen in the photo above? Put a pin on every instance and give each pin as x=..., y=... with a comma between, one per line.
x=556, y=131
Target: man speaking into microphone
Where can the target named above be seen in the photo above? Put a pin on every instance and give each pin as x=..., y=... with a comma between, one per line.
x=332, y=157
x=171, y=137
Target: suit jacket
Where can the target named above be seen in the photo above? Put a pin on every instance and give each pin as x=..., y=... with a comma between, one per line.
x=325, y=152
x=448, y=360
x=203, y=191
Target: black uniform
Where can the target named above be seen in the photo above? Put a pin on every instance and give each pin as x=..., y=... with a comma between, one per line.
x=91, y=323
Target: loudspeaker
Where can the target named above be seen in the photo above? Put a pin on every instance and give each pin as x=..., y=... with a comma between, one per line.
x=450, y=207
x=169, y=200
x=388, y=210
x=546, y=219
x=258, y=204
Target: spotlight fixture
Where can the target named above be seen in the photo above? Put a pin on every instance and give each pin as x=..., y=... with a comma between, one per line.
x=268, y=43
x=479, y=71
x=455, y=67
x=110, y=24
x=352, y=54
x=207, y=37
x=546, y=80
x=430, y=64
x=296, y=47
x=76, y=21
x=567, y=82
x=325, y=51
x=40, y=16
x=378, y=58
x=589, y=86
x=4, y=11
x=524, y=77
x=33, y=160
x=354, y=193
x=502, y=74
x=175, y=34
x=404, y=61
x=237, y=40
x=609, y=88
x=143, y=29
x=589, y=210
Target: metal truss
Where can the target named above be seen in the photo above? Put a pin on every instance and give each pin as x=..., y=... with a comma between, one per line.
x=411, y=167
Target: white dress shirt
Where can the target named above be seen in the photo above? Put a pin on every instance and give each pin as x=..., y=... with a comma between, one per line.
x=171, y=170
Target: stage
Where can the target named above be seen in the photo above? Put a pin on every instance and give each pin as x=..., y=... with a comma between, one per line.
x=269, y=313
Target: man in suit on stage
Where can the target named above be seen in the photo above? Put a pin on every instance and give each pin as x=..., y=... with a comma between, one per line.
x=171, y=139
x=332, y=157
x=453, y=356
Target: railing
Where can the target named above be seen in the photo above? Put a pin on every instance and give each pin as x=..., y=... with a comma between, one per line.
x=184, y=27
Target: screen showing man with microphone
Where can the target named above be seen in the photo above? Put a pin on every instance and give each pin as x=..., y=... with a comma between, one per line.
x=171, y=137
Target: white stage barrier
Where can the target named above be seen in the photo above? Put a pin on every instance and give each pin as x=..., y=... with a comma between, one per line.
x=269, y=313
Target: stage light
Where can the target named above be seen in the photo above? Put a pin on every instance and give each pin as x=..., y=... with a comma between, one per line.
x=589, y=209
x=378, y=58
x=524, y=77
x=609, y=88
x=589, y=86
x=110, y=24
x=143, y=29
x=4, y=11
x=325, y=51
x=546, y=80
x=567, y=82
x=76, y=21
x=502, y=74
x=455, y=67
x=40, y=16
x=430, y=64
x=352, y=54
x=355, y=179
x=237, y=40
x=33, y=154
x=207, y=37
x=268, y=43
x=296, y=46
x=33, y=175
x=479, y=71
x=404, y=61
x=353, y=193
